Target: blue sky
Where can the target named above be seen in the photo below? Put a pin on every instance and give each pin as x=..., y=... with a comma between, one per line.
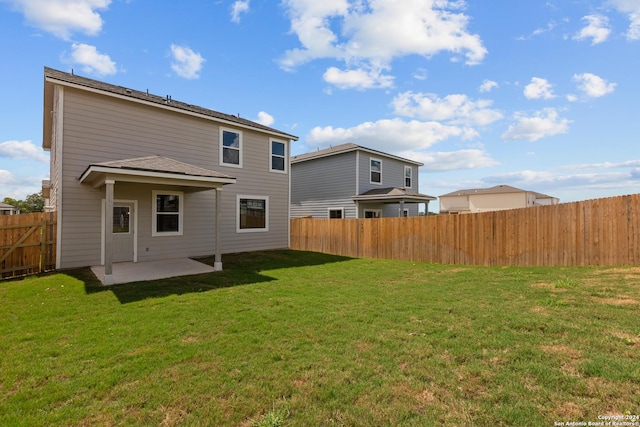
x=540, y=95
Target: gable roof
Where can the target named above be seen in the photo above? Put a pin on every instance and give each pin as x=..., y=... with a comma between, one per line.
x=346, y=148
x=498, y=189
x=72, y=80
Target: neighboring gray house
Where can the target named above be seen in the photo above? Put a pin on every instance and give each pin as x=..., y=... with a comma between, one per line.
x=138, y=177
x=6, y=209
x=351, y=181
x=499, y=197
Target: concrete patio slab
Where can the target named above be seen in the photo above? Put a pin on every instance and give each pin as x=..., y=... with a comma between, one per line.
x=126, y=272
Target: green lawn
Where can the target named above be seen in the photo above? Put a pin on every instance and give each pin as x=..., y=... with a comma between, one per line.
x=306, y=339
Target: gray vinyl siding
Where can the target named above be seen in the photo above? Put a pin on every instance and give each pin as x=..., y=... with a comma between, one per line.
x=325, y=178
x=320, y=208
x=392, y=173
x=100, y=128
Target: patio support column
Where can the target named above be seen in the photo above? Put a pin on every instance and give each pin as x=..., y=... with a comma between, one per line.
x=217, y=264
x=108, y=232
x=401, y=208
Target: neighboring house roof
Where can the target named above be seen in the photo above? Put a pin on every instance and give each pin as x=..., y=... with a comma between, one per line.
x=70, y=79
x=345, y=148
x=154, y=166
x=6, y=206
x=498, y=189
x=393, y=195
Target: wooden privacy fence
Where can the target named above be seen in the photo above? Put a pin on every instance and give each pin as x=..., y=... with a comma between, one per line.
x=593, y=232
x=27, y=243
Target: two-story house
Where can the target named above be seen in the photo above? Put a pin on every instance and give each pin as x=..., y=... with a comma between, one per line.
x=139, y=177
x=351, y=181
x=499, y=197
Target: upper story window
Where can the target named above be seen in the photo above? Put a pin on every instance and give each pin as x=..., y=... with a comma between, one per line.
x=375, y=170
x=278, y=156
x=408, y=173
x=230, y=147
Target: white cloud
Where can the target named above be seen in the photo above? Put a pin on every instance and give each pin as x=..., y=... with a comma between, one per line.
x=597, y=29
x=388, y=135
x=92, y=61
x=488, y=86
x=22, y=150
x=186, y=63
x=265, y=118
x=451, y=160
x=63, y=17
x=369, y=34
x=454, y=109
x=632, y=9
x=538, y=88
x=239, y=7
x=358, y=78
x=544, y=123
x=593, y=86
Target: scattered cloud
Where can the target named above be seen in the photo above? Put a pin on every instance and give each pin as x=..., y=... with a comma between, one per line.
x=366, y=36
x=92, y=61
x=62, y=18
x=451, y=160
x=186, y=63
x=238, y=8
x=405, y=135
x=538, y=89
x=550, y=26
x=358, y=79
x=532, y=128
x=597, y=29
x=265, y=118
x=593, y=86
x=488, y=86
x=453, y=109
x=22, y=150
x=632, y=9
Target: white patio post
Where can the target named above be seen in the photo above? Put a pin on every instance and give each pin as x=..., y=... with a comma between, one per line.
x=217, y=264
x=401, y=208
x=108, y=232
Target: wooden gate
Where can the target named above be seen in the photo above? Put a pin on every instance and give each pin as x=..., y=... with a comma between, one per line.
x=27, y=244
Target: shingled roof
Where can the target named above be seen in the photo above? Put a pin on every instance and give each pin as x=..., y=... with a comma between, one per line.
x=51, y=74
x=498, y=189
x=345, y=148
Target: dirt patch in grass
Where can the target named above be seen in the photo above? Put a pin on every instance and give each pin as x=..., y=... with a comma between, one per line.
x=620, y=301
x=570, y=358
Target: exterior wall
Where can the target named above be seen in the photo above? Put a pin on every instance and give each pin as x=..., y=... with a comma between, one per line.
x=392, y=173
x=100, y=128
x=496, y=202
x=454, y=203
x=325, y=178
x=320, y=208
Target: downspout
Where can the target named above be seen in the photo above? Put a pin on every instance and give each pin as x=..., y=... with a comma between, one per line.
x=357, y=182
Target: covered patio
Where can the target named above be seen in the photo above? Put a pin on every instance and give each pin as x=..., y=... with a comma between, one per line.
x=155, y=170
x=393, y=195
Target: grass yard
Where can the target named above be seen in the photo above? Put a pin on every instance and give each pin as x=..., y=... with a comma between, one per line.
x=306, y=339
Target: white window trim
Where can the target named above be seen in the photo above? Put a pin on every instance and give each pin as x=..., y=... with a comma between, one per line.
x=286, y=156
x=370, y=171
x=252, y=230
x=404, y=178
x=222, y=147
x=378, y=211
x=335, y=209
x=154, y=213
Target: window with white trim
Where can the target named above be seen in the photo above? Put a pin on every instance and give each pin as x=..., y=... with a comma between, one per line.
x=375, y=170
x=336, y=213
x=253, y=214
x=167, y=216
x=373, y=213
x=230, y=147
x=408, y=173
x=278, y=156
